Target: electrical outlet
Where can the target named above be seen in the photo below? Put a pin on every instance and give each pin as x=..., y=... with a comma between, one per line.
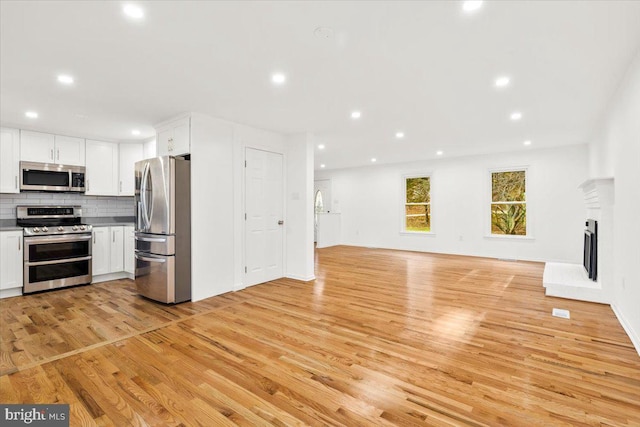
x=559, y=312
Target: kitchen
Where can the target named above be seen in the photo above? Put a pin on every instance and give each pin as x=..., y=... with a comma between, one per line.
x=107, y=203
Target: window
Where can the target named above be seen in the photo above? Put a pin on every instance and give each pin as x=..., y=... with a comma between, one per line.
x=509, y=203
x=417, y=204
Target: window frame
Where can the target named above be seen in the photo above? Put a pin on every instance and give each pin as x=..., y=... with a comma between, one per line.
x=527, y=202
x=403, y=203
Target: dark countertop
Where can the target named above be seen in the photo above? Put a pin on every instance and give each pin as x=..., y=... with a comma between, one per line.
x=106, y=221
x=99, y=221
x=9, y=225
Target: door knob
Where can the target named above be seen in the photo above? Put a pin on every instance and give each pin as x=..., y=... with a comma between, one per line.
x=280, y=222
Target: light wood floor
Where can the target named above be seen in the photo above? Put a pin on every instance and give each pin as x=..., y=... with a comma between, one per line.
x=380, y=338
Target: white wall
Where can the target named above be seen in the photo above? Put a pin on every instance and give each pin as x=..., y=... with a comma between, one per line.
x=217, y=203
x=616, y=152
x=370, y=200
x=212, y=209
x=299, y=207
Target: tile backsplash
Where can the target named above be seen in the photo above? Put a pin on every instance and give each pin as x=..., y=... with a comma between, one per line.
x=92, y=206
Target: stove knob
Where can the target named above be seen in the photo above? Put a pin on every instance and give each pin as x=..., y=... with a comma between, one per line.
x=36, y=230
x=74, y=228
x=61, y=228
x=82, y=227
x=45, y=229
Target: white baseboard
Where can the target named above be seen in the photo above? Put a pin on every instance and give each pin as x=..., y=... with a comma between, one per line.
x=633, y=335
x=13, y=292
x=111, y=276
x=301, y=278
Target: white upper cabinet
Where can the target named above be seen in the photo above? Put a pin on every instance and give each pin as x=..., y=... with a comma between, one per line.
x=129, y=155
x=37, y=147
x=69, y=150
x=9, y=160
x=174, y=138
x=102, y=168
x=48, y=148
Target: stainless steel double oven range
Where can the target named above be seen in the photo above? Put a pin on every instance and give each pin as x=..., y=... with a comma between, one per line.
x=57, y=247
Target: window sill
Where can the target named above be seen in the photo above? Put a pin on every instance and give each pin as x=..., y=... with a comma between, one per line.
x=507, y=237
x=418, y=233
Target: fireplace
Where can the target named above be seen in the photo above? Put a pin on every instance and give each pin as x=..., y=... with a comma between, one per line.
x=590, y=258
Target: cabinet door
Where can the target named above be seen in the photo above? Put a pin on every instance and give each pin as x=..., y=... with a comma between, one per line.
x=11, y=262
x=117, y=249
x=181, y=138
x=9, y=160
x=102, y=168
x=164, y=138
x=129, y=249
x=101, y=251
x=69, y=150
x=36, y=147
x=129, y=155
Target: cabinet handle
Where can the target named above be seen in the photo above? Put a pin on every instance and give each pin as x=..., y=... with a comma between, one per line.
x=19, y=244
x=114, y=236
x=87, y=185
x=58, y=154
x=52, y=154
x=94, y=237
x=121, y=186
x=16, y=182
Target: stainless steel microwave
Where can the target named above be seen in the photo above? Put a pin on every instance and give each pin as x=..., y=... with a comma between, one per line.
x=51, y=177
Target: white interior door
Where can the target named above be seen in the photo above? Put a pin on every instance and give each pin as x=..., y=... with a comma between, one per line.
x=264, y=225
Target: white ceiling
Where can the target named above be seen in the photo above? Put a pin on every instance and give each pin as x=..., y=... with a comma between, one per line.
x=424, y=68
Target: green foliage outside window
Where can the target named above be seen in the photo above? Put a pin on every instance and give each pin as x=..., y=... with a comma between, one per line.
x=418, y=204
x=508, y=203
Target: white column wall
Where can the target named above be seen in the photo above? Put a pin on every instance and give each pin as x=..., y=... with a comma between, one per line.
x=299, y=207
x=616, y=152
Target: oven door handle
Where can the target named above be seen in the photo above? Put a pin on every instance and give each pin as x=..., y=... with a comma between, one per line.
x=58, y=261
x=56, y=239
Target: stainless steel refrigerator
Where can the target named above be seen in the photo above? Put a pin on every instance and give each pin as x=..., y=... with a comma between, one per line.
x=163, y=229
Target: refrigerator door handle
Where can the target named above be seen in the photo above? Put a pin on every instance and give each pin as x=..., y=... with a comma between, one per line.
x=143, y=197
x=150, y=259
x=151, y=240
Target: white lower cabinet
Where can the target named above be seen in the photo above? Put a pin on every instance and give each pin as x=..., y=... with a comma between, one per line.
x=108, y=250
x=11, y=262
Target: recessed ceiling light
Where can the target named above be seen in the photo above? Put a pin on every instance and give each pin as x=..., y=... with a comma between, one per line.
x=502, y=81
x=399, y=135
x=470, y=6
x=373, y=160
x=65, y=79
x=516, y=115
x=135, y=132
x=439, y=153
x=133, y=11
x=322, y=165
x=320, y=146
x=278, y=78
x=356, y=114
x=527, y=142
x=31, y=114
